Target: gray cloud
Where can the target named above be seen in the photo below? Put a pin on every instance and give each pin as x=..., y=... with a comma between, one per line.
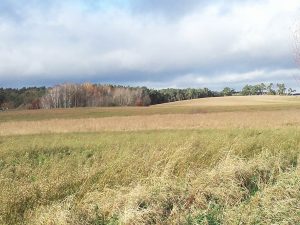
x=138, y=43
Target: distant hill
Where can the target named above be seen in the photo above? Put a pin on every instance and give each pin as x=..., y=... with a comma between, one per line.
x=237, y=101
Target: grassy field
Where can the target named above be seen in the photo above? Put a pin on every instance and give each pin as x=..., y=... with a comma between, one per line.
x=198, y=106
x=230, y=160
x=261, y=100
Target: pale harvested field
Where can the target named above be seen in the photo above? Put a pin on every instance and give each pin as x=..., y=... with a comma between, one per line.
x=239, y=101
x=247, y=112
x=264, y=119
x=197, y=106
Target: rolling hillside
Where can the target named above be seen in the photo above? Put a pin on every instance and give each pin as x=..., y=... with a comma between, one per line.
x=261, y=100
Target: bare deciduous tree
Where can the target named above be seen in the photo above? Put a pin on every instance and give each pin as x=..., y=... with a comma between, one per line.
x=93, y=95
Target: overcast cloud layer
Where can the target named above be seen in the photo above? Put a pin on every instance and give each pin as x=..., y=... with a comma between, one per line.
x=157, y=43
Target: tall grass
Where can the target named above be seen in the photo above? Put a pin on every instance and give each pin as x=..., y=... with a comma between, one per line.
x=209, y=176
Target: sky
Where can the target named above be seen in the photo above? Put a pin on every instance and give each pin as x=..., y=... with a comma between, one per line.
x=153, y=43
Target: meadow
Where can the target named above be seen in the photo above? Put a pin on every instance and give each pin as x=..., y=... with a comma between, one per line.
x=229, y=160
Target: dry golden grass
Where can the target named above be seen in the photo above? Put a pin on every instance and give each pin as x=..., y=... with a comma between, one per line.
x=158, y=165
x=264, y=119
x=239, y=101
x=154, y=177
x=198, y=106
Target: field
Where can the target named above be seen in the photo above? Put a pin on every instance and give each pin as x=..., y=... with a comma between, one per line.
x=230, y=160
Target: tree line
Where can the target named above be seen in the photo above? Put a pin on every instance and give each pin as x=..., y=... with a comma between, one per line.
x=26, y=97
x=260, y=89
x=97, y=95
x=93, y=95
x=173, y=94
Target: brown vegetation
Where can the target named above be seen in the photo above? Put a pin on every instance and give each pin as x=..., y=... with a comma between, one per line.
x=265, y=119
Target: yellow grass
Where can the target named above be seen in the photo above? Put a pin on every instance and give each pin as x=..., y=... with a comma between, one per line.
x=198, y=106
x=154, y=177
x=232, y=160
x=264, y=119
x=239, y=101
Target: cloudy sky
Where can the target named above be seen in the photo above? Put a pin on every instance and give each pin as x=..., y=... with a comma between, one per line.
x=156, y=43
